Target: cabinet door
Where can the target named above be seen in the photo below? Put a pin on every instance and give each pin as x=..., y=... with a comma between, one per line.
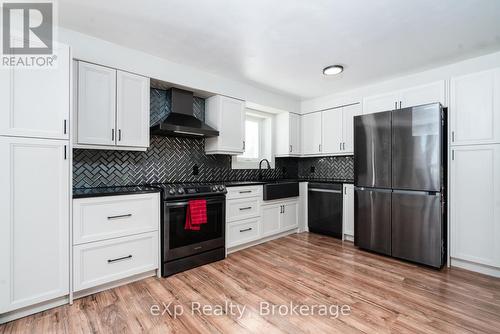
x=34, y=215
x=332, y=131
x=35, y=102
x=348, y=211
x=348, y=114
x=283, y=134
x=475, y=204
x=475, y=108
x=289, y=216
x=232, y=129
x=271, y=215
x=431, y=93
x=132, y=110
x=96, y=115
x=378, y=103
x=294, y=134
x=311, y=133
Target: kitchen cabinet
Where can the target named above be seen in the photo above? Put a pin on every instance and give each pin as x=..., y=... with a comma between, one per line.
x=338, y=129
x=475, y=108
x=34, y=215
x=310, y=133
x=414, y=96
x=348, y=212
x=279, y=217
x=475, y=204
x=290, y=216
x=287, y=135
x=112, y=108
x=227, y=115
x=36, y=102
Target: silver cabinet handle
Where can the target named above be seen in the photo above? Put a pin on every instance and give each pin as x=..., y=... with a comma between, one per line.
x=453, y=136
x=340, y=146
x=290, y=148
x=120, y=259
x=452, y=154
x=120, y=216
x=65, y=127
x=395, y=105
x=65, y=152
x=399, y=104
x=245, y=191
x=119, y=134
x=343, y=146
x=345, y=190
x=246, y=229
x=243, y=145
x=319, y=147
x=245, y=208
x=112, y=134
x=283, y=209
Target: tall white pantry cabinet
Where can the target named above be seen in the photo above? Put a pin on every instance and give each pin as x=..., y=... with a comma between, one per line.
x=35, y=195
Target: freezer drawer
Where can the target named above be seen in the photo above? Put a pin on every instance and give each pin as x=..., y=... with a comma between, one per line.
x=416, y=148
x=372, y=219
x=372, y=150
x=417, y=227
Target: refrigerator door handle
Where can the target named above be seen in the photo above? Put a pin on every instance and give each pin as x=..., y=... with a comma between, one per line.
x=417, y=192
x=382, y=190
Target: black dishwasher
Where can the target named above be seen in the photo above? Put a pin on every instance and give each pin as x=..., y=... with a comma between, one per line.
x=325, y=209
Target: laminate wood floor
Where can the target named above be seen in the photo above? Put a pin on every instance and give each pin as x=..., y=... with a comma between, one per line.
x=384, y=295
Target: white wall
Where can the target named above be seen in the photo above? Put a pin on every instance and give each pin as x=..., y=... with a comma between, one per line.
x=445, y=72
x=99, y=51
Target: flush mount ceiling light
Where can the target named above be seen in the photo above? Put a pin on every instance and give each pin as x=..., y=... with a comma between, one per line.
x=332, y=70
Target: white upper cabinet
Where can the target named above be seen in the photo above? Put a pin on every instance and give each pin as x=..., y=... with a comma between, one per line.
x=96, y=116
x=227, y=115
x=475, y=204
x=34, y=216
x=310, y=133
x=414, y=96
x=132, y=109
x=287, y=135
x=36, y=102
x=475, y=108
x=331, y=129
x=348, y=113
x=112, y=108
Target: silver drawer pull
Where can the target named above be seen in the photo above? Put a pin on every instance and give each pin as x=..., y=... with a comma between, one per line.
x=246, y=208
x=246, y=229
x=245, y=191
x=120, y=259
x=120, y=216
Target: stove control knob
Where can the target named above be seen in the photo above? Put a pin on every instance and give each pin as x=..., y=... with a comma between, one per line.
x=180, y=191
x=221, y=188
x=215, y=188
x=171, y=191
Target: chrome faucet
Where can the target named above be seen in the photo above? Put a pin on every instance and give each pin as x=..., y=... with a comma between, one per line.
x=260, y=167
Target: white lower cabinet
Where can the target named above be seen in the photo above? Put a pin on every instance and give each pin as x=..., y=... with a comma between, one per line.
x=114, y=237
x=475, y=204
x=348, y=212
x=243, y=231
x=34, y=222
x=279, y=217
x=290, y=216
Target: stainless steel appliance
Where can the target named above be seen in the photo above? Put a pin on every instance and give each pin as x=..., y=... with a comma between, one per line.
x=400, y=177
x=325, y=208
x=184, y=249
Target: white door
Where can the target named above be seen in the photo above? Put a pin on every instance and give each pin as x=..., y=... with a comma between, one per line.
x=348, y=212
x=378, y=103
x=96, y=115
x=348, y=114
x=332, y=131
x=132, y=110
x=271, y=215
x=35, y=102
x=289, y=216
x=430, y=93
x=475, y=108
x=294, y=133
x=310, y=133
x=34, y=216
x=475, y=204
x=232, y=129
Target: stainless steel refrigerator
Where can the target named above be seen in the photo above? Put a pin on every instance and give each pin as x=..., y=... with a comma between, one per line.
x=399, y=178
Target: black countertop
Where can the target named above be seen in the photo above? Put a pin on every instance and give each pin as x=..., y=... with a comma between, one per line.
x=113, y=191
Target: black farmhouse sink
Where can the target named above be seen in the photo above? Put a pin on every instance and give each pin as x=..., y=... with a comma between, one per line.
x=280, y=189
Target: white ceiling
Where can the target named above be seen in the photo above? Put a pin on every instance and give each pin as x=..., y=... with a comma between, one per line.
x=282, y=45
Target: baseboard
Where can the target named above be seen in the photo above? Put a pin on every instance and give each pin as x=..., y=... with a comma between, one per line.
x=29, y=310
x=114, y=284
x=479, y=268
x=260, y=241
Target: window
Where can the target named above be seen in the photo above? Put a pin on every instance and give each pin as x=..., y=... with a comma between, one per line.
x=258, y=141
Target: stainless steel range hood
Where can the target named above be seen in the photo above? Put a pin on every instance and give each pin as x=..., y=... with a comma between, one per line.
x=181, y=121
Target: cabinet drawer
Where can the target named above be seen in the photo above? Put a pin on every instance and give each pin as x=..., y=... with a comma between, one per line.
x=244, y=192
x=101, y=218
x=106, y=261
x=238, y=209
x=243, y=232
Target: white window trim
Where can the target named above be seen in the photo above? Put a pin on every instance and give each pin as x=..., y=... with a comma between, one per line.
x=266, y=148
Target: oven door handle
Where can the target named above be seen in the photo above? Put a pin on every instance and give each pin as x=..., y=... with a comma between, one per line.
x=185, y=203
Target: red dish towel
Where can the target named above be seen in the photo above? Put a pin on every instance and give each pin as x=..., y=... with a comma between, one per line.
x=196, y=214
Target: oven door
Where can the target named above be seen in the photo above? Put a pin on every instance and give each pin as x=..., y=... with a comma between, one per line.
x=179, y=242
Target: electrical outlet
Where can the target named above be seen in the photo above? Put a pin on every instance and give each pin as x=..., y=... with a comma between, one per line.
x=196, y=171
x=312, y=169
